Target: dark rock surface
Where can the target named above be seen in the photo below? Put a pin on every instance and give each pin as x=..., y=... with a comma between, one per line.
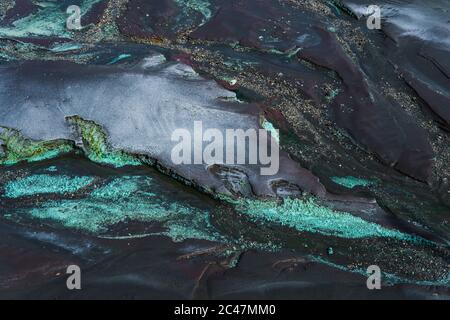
x=364, y=119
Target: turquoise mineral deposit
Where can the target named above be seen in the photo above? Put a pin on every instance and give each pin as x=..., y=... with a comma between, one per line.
x=44, y=183
x=309, y=216
x=128, y=198
x=351, y=182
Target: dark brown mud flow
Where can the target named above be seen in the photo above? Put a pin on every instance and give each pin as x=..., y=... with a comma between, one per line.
x=87, y=175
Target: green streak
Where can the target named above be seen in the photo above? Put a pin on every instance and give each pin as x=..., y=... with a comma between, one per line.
x=289, y=54
x=43, y=184
x=351, y=182
x=308, y=216
x=19, y=148
x=66, y=47
x=120, y=58
x=96, y=144
x=293, y=52
x=341, y=8
x=336, y=9
x=388, y=278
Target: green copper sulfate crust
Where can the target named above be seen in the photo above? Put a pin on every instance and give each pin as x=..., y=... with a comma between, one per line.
x=18, y=148
x=351, y=182
x=44, y=183
x=96, y=145
x=120, y=58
